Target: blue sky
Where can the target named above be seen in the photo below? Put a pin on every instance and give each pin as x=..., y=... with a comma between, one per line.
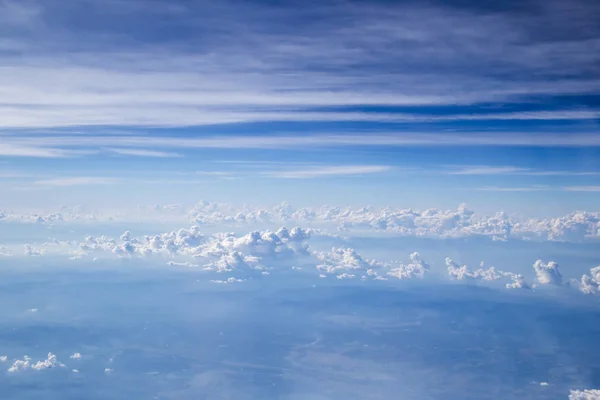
x=413, y=104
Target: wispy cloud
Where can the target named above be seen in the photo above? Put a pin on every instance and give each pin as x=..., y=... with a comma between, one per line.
x=512, y=170
x=515, y=189
x=582, y=188
x=76, y=181
x=348, y=170
x=486, y=170
x=277, y=67
x=13, y=150
x=144, y=153
x=399, y=139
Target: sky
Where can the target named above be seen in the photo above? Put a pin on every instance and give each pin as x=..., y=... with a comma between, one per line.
x=299, y=200
x=404, y=103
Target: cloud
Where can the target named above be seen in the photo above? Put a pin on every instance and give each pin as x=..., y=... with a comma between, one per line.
x=370, y=139
x=20, y=365
x=325, y=171
x=76, y=181
x=586, y=394
x=486, y=170
x=276, y=66
x=417, y=268
x=344, y=259
x=430, y=223
x=590, y=284
x=15, y=150
x=144, y=153
x=464, y=273
x=513, y=170
x=582, y=188
x=547, y=274
x=75, y=356
x=518, y=282
x=515, y=189
x=228, y=280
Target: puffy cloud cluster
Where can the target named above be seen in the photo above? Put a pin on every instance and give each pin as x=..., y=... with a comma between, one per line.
x=342, y=260
x=50, y=362
x=417, y=268
x=346, y=263
x=220, y=252
x=590, y=284
x=587, y=394
x=228, y=280
x=258, y=252
x=518, y=282
x=462, y=272
x=431, y=223
x=547, y=274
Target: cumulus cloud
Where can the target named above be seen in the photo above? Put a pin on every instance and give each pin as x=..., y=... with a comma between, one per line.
x=547, y=274
x=417, y=268
x=343, y=259
x=3, y=359
x=586, y=394
x=50, y=362
x=75, y=356
x=431, y=223
x=228, y=280
x=464, y=273
x=518, y=282
x=590, y=284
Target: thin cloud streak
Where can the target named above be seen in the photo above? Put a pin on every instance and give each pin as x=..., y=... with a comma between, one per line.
x=513, y=170
x=345, y=170
x=582, y=188
x=77, y=181
x=515, y=189
x=144, y=153
x=15, y=150
x=400, y=139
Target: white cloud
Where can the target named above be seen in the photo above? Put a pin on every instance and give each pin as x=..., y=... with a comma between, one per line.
x=518, y=282
x=3, y=359
x=50, y=362
x=416, y=268
x=397, y=139
x=143, y=153
x=463, y=272
x=486, y=170
x=14, y=150
x=586, y=394
x=512, y=170
x=325, y=171
x=344, y=259
x=75, y=181
x=108, y=370
x=75, y=356
x=432, y=223
x=228, y=280
x=582, y=188
x=536, y=188
x=590, y=284
x=547, y=274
